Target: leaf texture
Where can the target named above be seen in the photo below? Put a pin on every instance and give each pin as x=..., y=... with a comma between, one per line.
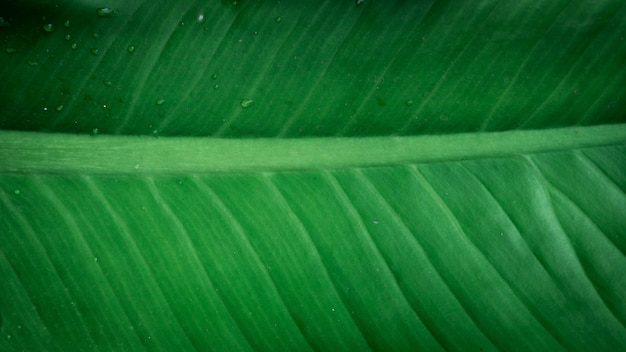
x=497, y=253
x=379, y=175
x=311, y=68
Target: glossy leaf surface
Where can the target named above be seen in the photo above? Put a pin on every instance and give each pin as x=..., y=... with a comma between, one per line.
x=453, y=176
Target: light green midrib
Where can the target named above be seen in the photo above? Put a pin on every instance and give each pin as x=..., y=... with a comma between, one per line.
x=33, y=152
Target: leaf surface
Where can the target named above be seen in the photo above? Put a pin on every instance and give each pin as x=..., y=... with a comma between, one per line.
x=378, y=175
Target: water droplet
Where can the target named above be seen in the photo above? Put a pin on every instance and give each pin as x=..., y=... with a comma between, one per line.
x=95, y=35
x=74, y=45
x=60, y=107
x=105, y=12
x=246, y=103
x=67, y=24
x=32, y=62
x=17, y=192
x=131, y=48
x=107, y=83
x=160, y=101
x=408, y=102
x=216, y=87
x=95, y=259
x=278, y=19
x=49, y=27
x=359, y=2
x=94, y=132
x=10, y=50
x=68, y=37
x=214, y=76
x=95, y=51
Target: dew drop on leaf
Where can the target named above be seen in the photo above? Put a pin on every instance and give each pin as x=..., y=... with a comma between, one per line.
x=95, y=35
x=10, y=50
x=160, y=101
x=60, y=107
x=17, y=192
x=74, y=45
x=67, y=24
x=107, y=82
x=246, y=103
x=278, y=19
x=32, y=62
x=408, y=102
x=94, y=131
x=68, y=37
x=49, y=27
x=105, y=12
x=95, y=51
x=131, y=48
x=214, y=76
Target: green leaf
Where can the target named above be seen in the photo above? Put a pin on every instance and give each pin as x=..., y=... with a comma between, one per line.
x=447, y=175
x=329, y=68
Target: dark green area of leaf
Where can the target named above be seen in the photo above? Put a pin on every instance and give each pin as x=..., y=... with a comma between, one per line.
x=327, y=68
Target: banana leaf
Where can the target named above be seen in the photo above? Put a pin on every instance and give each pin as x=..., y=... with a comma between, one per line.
x=312, y=175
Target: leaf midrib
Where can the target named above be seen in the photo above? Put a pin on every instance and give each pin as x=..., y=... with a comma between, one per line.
x=46, y=153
